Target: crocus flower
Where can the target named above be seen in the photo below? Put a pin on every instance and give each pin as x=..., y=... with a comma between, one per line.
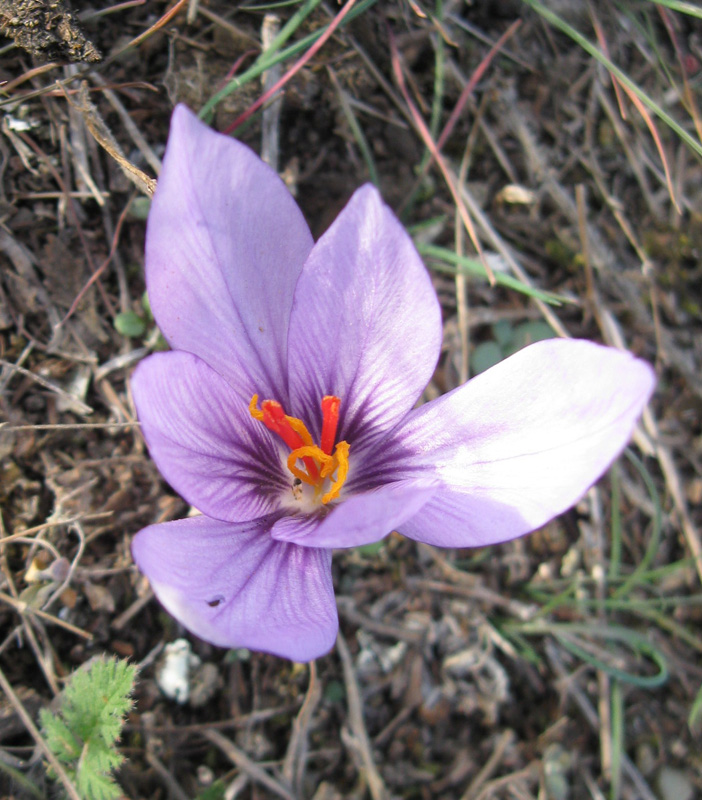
x=285, y=411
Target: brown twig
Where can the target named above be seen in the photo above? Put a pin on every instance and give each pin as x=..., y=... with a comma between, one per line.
x=498, y=753
x=245, y=764
x=296, y=67
x=34, y=733
x=358, y=739
x=296, y=755
x=451, y=181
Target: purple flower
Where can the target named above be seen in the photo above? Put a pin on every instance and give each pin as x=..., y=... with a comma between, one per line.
x=285, y=410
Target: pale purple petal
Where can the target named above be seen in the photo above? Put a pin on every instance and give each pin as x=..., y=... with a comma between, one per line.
x=233, y=586
x=225, y=244
x=203, y=439
x=360, y=519
x=522, y=442
x=365, y=324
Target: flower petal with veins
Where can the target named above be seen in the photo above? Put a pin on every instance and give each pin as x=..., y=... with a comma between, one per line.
x=234, y=586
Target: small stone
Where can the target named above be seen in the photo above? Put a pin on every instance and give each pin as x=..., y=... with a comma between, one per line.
x=674, y=784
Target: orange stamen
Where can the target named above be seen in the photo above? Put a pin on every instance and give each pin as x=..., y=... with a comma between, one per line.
x=320, y=464
x=330, y=422
x=274, y=418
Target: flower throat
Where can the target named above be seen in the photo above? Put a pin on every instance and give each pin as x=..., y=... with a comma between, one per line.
x=320, y=464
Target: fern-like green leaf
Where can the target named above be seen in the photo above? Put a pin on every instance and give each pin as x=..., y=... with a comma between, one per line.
x=97, y=698
x=83, y=734
x=61, y=740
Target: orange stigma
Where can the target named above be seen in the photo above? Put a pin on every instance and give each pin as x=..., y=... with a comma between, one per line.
x=320, y=464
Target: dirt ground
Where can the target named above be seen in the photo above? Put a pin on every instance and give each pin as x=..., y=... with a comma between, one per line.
x=494, y=673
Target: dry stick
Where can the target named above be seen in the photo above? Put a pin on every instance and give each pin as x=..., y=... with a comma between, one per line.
x=4, y=379
x=165, y=19
x=451, y=180
x=80, y=406
x=98, y=272
x=52, y=523
x=631, y=158
x=235, y=31
x=121, y=621
x=640, y=107
x=674, y=484
x=581, y=203
x=70, y=207
x=296, y=67
x=27, y=76
x=23, y=261
x=270, y=129
x=396, y=632
x=154, y=762
x=34, y=732
x=359, y=740
x=596, y=511
x=71, y=571
x=4, y=428
x=103, y=136
x=666, y=462
x=599, y=32
x=245, y=764
x=473, y=82
x=296, y=755
x=688, y=93
x=530, y=774
x=77, y=147
x=497, y=242
x=461, y=281
x=473, y=790
x=129, y=125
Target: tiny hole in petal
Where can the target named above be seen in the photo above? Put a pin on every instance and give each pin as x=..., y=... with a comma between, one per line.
x=215, y=601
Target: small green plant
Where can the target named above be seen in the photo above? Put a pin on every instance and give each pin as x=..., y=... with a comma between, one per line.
x=84, y=732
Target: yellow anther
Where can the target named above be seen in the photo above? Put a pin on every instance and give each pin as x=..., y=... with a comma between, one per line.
x=254, y=410
x=301, y=429
x=309, y=451
x=341, y=457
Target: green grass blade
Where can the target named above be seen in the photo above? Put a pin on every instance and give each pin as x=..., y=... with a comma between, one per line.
x=684, y=8
x=616, y=703
x=437, y=103
x=568, y=635
x=265, y=60
x=270, y=57
x=615, y=552
x=445, y=260
x=655, y=540
x=694, y=721
x=357, y=131
x=597, y=54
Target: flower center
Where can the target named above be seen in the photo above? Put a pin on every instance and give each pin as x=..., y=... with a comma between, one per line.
x=320, y=464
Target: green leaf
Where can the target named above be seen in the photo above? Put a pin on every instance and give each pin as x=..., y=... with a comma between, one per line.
x=61, y=740
x=371, y=549
x=84, y=732
x=528, y=333
x=140, y=207
x=503, y=332
x=130, y=324
x=485, y=355
x=694, y=721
